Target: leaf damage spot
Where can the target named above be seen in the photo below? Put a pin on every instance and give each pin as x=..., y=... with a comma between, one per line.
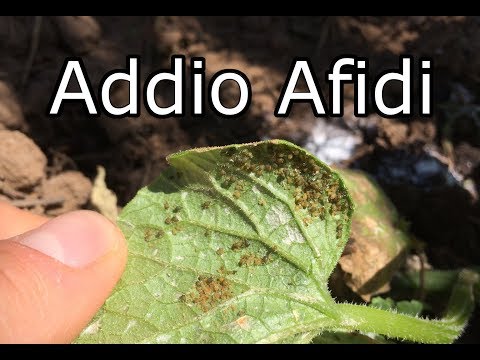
x=163, y=339
x=93, y=328
x=130, y=324
x=277, y=216
x=243, y=322
x=293, y=236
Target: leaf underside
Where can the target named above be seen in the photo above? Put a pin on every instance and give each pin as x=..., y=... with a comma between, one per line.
x=230, y=244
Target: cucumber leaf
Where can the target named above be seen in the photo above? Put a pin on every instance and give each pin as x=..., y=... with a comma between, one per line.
x=230, y=244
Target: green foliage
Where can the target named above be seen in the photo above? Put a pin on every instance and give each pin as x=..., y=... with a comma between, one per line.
x=412, y=307
x=236, y=244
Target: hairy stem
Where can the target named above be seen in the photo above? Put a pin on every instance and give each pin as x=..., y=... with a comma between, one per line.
x=395, y=325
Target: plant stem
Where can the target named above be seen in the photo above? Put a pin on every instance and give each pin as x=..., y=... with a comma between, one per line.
x=395, y=325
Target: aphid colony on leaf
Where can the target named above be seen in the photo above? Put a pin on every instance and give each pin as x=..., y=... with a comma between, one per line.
x=314, y=189
x=172, y=220
x=252, y=259
x=208, y=292
x=152, y=234
x=239, y=245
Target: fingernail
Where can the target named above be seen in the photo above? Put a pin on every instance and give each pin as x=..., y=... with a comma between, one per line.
x=75, y=239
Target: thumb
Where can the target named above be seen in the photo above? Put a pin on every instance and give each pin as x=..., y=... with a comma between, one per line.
x=55, y=278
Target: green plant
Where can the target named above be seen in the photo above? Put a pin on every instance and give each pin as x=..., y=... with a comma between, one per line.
x=236, y=244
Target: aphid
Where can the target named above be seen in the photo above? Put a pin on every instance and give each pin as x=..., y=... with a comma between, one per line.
x=147, y=236
x=176, y=230
x=307, y=220
x=222, y=270
x=168, y=221
x=243, y=261
x=151, y=234
x=261, y=202
x=266, y=259
x=339, y=230
x=236, y=194
x=177, y=209
x=239, y=245
x=220, y=251
x=248, y=167
x=166, y=205
x=174, y=219
x=207, y=233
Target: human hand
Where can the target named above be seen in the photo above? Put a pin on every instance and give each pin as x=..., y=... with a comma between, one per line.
x=55, y=274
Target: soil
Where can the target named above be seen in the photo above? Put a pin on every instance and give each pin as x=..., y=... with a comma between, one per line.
x=430, y=167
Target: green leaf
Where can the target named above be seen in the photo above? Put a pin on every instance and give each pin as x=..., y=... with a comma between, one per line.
x=383, y=303
x=235, y=244
x=409, y=307
x=230, y=244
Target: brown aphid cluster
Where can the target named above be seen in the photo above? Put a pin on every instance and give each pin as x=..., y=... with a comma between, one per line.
x=209, y=291
x=314, y=189
x=176, y=230
x=152, y=234
x=339, y=230
x=238, y=189
x=172, y=220
x=251, y=259
x=239, y=245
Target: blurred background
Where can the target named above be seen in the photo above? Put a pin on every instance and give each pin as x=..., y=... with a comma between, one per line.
x=429, y=167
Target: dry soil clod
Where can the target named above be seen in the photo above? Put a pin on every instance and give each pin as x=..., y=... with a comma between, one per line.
x=22, y=163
